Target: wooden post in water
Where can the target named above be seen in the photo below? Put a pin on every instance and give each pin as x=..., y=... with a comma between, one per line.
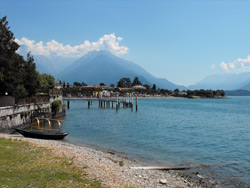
x=136, y=104
x=131, y=104
x=116, y=102
x=88, y=104
x=68, y=104
x=112, y=104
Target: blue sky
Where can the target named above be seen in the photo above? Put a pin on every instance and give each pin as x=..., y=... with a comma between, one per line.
x=183, y=41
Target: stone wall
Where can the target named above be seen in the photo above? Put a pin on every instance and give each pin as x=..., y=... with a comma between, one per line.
x=21, y=115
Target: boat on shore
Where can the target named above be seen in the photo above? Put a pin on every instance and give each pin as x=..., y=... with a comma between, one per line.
x=43, y=128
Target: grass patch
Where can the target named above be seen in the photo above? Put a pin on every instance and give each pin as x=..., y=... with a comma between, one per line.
x=22, y=165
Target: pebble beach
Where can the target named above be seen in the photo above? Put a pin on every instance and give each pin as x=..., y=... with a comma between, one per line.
x=114, y=170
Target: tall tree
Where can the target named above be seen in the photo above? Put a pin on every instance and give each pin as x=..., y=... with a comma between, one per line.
x=31, y=79
x=154, y=87
x=8, y=46
x=18, y=77
x=124, y=82
x=136, y=82
x=47, y=81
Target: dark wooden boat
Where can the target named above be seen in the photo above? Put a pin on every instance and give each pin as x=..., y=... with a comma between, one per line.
x=44, y=128
x=41, y=134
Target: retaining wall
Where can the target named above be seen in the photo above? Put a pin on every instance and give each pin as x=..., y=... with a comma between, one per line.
x=20, y=116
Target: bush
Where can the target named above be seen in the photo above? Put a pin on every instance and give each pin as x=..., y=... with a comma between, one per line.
x=56, y=106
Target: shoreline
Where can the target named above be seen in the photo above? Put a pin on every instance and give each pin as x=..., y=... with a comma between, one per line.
x=150, y=97
x=114, y=169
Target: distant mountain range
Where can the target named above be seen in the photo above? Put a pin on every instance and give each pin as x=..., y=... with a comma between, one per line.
x=103, y=66
x=99, y=67
x=229, y=81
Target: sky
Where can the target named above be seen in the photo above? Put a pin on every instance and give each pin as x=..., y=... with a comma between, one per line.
x=180, y=40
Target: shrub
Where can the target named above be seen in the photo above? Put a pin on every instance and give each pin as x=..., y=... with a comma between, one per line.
x=56, y=106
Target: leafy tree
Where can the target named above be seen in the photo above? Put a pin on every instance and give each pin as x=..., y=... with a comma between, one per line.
x=136, y=82
x=47, y=81
x=102, y=84
x=64, y=84
x=154, y=87
x=124, y=82
x=17, y=77
x=176, y=91
x=112, y=85
x=31, y=76
x=77, y=84
x=8, y=46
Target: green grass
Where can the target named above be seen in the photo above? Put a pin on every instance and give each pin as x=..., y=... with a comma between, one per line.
x=22, y=165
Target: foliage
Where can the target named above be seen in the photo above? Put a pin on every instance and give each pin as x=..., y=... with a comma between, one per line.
x=8, y=46
x=102, y=84
x=136, y=82
x=21, y=165
x=206, y=93
x=77, y=84
x=18, y=77
x=56, y=106
x=47, y=81
x=124, y=83
x=154, y=87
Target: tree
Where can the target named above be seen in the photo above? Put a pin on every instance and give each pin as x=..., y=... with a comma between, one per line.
x=8, y=46
x=136, y=82
x=124, y=82
x=102, y=84
x=18, y=77
x=154, y=87
x=77, y=84
x=176, y=91
x=31, y=76
x=112, y=85
x=47, y=81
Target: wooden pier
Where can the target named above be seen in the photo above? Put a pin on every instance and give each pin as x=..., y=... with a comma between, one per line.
x=114, y=102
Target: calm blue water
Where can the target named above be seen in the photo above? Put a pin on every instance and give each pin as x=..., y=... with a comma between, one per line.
x=172, y=132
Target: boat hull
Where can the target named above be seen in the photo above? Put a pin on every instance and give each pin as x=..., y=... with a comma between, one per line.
x=40, y=135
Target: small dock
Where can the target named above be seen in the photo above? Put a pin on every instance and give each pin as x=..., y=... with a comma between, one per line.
x=112, y=102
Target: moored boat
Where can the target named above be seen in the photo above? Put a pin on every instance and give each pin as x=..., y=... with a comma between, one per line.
x=42, y=128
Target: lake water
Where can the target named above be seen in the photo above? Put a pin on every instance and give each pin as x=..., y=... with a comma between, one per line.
x=172, y=132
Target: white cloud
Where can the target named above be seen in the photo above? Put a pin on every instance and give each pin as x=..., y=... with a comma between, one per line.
x=213, y=66
x=224, y=66
x=107, y=42
x=237, y=66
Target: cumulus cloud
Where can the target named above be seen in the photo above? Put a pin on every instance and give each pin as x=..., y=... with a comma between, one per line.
x=224, y=66
x=237, y=66
x=107, y=42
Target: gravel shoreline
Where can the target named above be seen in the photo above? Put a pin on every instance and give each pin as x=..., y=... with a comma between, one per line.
x=115, y=170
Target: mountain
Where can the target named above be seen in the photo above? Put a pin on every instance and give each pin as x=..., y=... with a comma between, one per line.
x=48, y=64
x=102, y=66
x=52, y=64
x=229, y=81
